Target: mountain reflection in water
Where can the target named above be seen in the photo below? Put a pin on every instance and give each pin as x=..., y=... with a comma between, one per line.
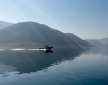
x=33, y=61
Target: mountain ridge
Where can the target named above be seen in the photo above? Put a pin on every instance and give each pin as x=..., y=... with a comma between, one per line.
x=78, y=40
x=35, y=33
x=4, y=24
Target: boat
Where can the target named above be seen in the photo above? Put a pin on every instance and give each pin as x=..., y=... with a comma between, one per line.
x=47, y=47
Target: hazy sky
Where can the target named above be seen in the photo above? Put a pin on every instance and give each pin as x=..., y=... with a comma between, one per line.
x=88, y=19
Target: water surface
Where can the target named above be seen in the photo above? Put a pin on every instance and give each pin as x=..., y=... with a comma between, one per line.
x=63, y=66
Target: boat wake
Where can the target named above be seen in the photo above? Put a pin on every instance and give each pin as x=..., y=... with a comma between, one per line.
x=22, y=49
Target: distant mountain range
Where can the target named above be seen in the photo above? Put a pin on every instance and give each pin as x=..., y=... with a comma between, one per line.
x=104, y=41
x=32, y=33
x=5, y=24
x=94, y=42
x=98, y=42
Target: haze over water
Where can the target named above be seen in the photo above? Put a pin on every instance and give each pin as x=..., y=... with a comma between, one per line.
x=63, y=66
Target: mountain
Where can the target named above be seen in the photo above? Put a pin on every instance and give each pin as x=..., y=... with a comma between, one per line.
x=103, y=40
x=25, y=33
x=5, y=24
x=94, y=42
x=78, y=40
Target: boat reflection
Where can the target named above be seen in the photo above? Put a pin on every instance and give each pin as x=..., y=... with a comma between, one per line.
x=48, y=51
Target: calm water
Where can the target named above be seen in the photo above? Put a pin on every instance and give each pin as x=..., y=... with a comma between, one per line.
x=64, y=66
